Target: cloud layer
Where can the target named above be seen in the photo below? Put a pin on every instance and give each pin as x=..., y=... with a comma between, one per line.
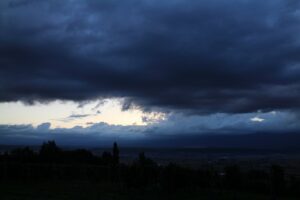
x=277, y=130
x=200, y=56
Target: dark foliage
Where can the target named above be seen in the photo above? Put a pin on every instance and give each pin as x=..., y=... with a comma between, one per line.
x=115, y=154
x=53, y=163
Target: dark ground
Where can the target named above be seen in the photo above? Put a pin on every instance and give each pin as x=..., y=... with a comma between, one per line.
x=62, y=190
x=51, y=173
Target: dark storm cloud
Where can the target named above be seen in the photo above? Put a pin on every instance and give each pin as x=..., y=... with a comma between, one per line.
x=205, y=56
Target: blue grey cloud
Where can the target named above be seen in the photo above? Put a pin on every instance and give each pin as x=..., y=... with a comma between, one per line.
x=279, y=129
x=192, y=56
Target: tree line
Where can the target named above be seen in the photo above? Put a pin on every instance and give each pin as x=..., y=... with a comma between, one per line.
x=54, y=163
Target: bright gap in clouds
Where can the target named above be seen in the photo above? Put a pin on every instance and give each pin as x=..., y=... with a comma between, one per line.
x=67, y=114
x=257, y=119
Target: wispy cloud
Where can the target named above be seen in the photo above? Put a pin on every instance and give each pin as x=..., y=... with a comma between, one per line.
x=79, y=115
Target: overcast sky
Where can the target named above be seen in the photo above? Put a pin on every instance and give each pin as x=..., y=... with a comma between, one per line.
x=139, y=69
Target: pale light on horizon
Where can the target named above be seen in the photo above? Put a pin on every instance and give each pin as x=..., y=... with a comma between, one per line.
x=67, y=114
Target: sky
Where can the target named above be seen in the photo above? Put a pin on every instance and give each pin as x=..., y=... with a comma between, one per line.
x=150, y=72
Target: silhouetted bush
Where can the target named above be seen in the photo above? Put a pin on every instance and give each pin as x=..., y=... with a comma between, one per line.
x=107, y=158
x=257, y=181
x=23, y=155
x=206, y=178
x=278, y=183
x=175, y=177
x=143, y=172
x=294, y=186
x=233, y=177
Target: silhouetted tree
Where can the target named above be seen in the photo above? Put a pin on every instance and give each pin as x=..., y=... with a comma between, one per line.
x=50, y=152
x=144, y=161
x=115, y=154
x=142, y=158
x=79, y=156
